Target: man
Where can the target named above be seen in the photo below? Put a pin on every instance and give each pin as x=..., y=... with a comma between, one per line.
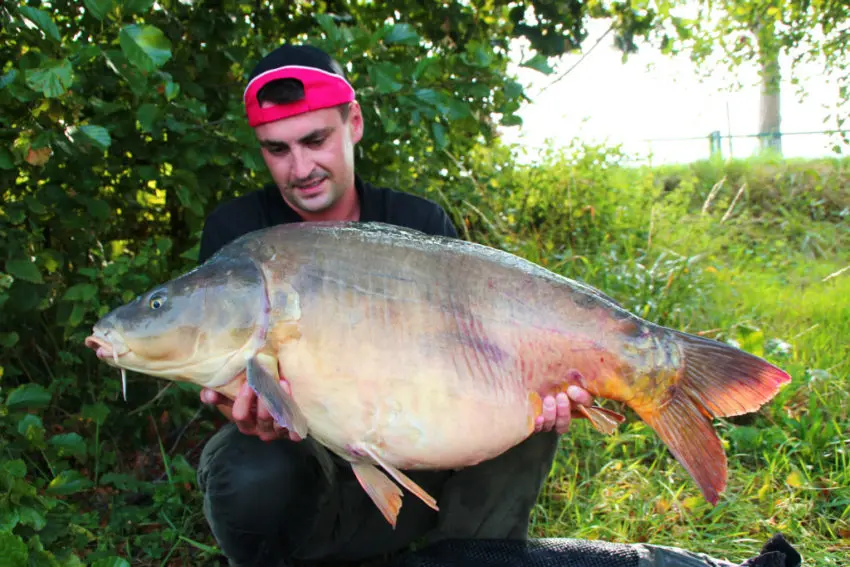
x=269, y=496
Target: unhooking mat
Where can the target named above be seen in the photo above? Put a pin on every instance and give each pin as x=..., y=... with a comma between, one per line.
x=561, y=552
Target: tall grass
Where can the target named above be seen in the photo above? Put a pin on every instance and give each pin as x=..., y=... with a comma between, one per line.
x=750, y=252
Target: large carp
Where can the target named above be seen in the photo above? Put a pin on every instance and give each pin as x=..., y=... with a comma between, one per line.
x=408, y=351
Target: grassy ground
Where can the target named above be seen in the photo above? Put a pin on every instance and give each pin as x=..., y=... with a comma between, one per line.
x=753, y=270
x=751, y=252
x=789, y=465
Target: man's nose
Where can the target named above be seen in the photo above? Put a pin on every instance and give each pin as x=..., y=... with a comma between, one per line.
x=302, y=164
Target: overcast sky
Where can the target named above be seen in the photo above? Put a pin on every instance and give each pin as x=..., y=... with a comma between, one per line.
x=604, y=98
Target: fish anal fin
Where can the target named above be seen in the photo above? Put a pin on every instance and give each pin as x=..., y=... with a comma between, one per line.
x=691, y=438
x=602, y=419
x=280, y=404
x=383, y=492
x=399, y=476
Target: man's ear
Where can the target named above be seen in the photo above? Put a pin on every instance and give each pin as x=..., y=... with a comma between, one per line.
x=355, y=121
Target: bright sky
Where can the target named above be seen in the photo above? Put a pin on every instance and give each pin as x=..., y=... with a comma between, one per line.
x=604, y=99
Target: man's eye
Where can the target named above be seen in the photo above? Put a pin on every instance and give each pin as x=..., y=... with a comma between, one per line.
x=315, y=142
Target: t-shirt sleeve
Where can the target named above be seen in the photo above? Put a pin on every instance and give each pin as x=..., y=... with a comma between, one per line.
x=441, y=224
x=214, y=236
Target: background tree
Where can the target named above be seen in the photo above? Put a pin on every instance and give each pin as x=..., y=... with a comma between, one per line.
x=739, y=33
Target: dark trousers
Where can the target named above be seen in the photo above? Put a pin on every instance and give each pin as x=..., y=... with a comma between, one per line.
x=269, y=502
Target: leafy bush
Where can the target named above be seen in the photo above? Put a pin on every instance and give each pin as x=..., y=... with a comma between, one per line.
x=122, y=127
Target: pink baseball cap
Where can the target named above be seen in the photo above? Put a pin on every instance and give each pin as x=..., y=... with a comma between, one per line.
x=322, y=78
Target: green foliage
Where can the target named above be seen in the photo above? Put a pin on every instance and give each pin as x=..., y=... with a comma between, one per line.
x=764, y=269
x=123, y=127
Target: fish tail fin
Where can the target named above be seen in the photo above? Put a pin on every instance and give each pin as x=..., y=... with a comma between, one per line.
x=714, y=380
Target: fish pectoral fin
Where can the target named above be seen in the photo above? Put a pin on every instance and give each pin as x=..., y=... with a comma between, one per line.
x=400, y=477
x=602, y=419
x=281, y=405
x=383, y=492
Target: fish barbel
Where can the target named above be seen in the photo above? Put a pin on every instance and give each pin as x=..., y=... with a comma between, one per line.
x=407, y=351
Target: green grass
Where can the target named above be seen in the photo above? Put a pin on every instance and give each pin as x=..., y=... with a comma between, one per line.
x=789, y=465
x=86, y=475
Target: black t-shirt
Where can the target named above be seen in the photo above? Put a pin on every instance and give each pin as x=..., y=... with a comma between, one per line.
x=266, y=207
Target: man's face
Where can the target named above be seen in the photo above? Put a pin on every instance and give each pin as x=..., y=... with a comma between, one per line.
x=311, y=155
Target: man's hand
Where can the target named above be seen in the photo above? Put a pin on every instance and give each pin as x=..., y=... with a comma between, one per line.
x=249, y=413
x=559, y=410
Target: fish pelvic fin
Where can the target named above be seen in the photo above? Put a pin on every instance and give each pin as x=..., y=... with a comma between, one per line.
x=713, y=380
x=280, y=404
x=604, y=420
x=384, y=493
x=400, y=477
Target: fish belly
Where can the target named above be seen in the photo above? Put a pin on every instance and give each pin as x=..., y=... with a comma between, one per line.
x=427, y=384
x=414, y=417
x=434, y=357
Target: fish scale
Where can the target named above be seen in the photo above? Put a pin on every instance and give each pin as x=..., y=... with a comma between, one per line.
x=407, y=351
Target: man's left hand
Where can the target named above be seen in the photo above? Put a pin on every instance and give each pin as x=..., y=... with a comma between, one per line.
x=559, y=410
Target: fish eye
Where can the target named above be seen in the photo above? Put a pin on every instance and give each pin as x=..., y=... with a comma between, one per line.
x=156, y=302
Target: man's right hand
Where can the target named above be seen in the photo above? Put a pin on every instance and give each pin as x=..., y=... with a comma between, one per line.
x=249, y=413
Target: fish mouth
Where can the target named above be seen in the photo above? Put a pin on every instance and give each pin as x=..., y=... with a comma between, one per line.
x=109, y=349
x=106, y=347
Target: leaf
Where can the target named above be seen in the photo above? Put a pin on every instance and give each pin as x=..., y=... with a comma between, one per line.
x=32, y=428
x=9, y=517
x=14, y=550
x=172, y=89
x=326, y=22
x=24, y=270
x=513, y=90
x=383, y=76
x=137, y=6
x=8, y=340
x=122, y=481
x=439, y=135
x=146, y=115
x=403, y=34
x=69, y=444
x=8, y=78
x=429, y=96
x=38, y=157
x=145, y=46
x=28, y=396
x=68, y=482
x=111, y=562
x=98, y=8
x=31, y=517
x=52, y=78
x=794, y=480
x=7, y=161
x=539, y=63
x=43, y=20
x=97, y=134
x=16, y=468
x=80, y=292
x=96, y=412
